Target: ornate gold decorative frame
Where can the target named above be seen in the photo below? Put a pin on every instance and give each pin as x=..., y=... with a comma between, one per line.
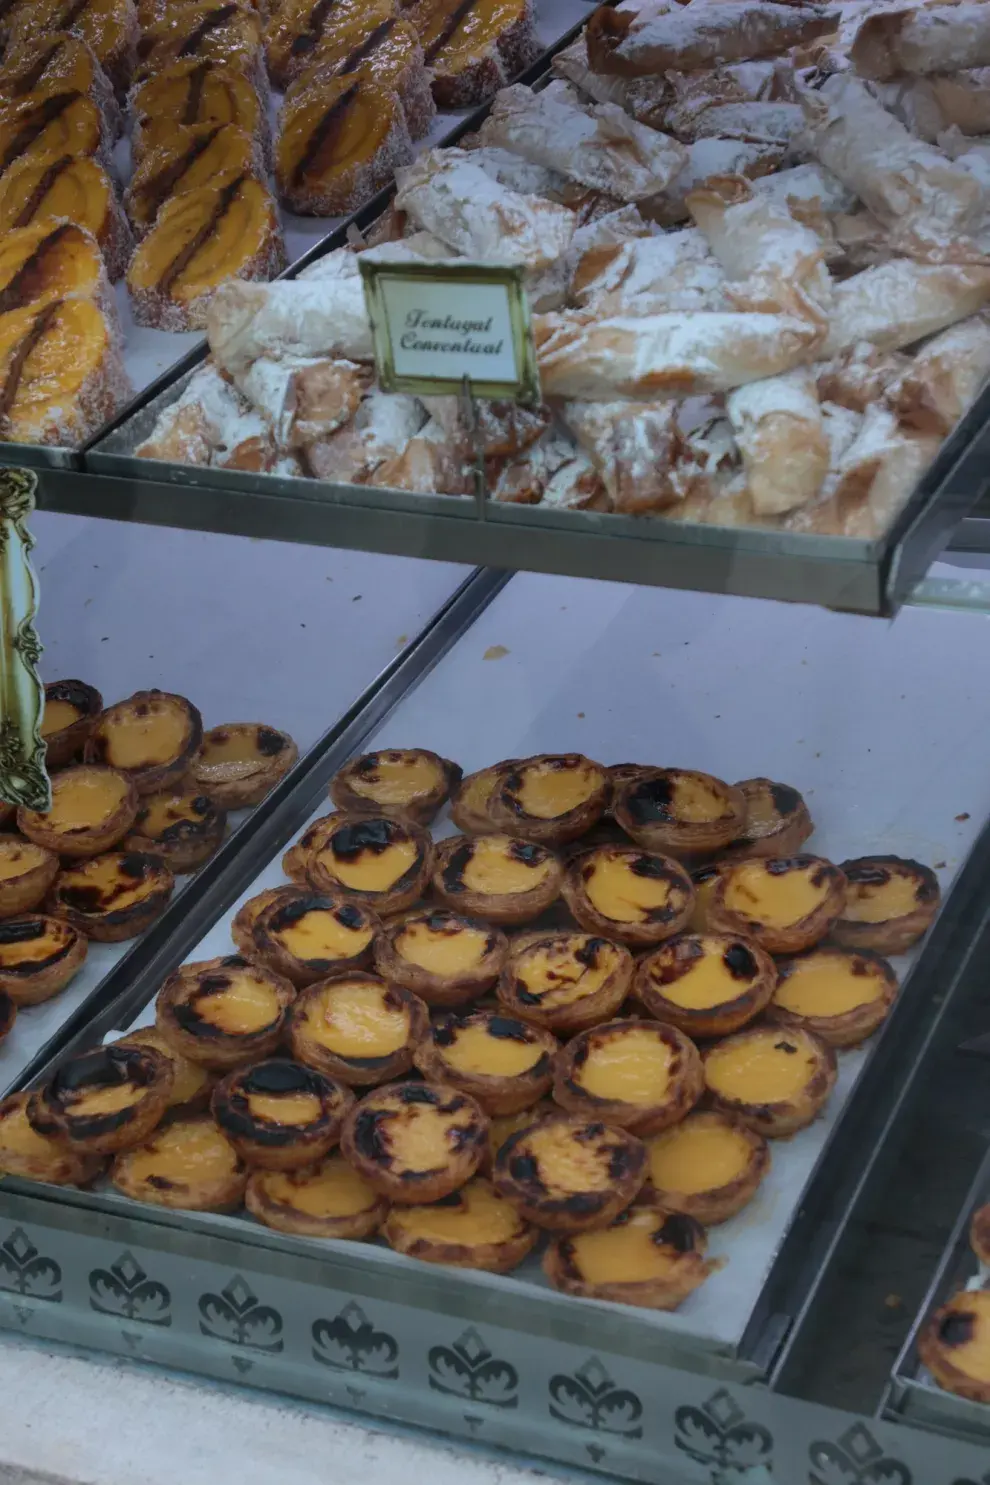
x=23, y=779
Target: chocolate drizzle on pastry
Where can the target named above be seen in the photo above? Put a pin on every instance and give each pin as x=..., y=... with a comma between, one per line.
x=45, y=113
x=182, y=260
x=450, y=27
x=210, y=22
x=367, y=46
x=45, y=183
x=29, y=80
x=163, y=185
x=20, y=289
x=309, y=38
x=332, y=119
x=194, y=97
x=15, y=370
x=70, y=16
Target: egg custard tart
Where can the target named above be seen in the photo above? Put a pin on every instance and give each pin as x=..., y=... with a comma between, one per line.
x=503, y=1126
x=39, y=955
x=840, y=995
x=380, y=862
x=225, y=1012
x=152, y=737
x=568, y=1174
x=8, y=1015
x=306, y=936
x=415, y=1142
x=356, y=1028
x=242, y=928
x=38, y=1157
x=775, y=1079
x=709, y=1166
x=552, y=798
x=638, y=1075
x=681, y=812
x=503, y=1063
x=890, y=903
x=108, y=1099
x=405, y=783
x=326, y=1200
x=113, y=897
x=646, y=1257
x=703, y=880
x=92, y=809
x=280, y=1114
x=784, y=903
x=955, y=1345
x=71, y=709
x=707, y=984
x=191, y=1083
x=441, y=957
x=295, y=862
x=496, y=877
x=979, y=1234
x=240, y=762
x=629, y=894
x=471, y=800
x=565, y=981
x=189, y=1164
x=26, y=873
x=182, y=826
x=777, y=820
x=471, y=1228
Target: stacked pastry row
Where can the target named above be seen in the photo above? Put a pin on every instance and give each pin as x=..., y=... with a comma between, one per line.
x=584, y=1016
x=953, y=1345
x=758, y=296
x=140, y=794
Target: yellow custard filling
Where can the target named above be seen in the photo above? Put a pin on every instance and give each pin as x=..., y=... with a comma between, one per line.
x=19, y=1137
x=708, y=981
x=188, y=1079
x=57, y=715
x=320, y=935
x=95, y=1101
x=371, y=871
x=703, y=890
x=285, y=1108
x=701, y=1154
x=617, y=892
x=18, y=858
x=826, y=985
x=235, y=746
x=162, y=810
x=480, y=1216
x=56, y=936
x=184, y=1153
x=632, y=1065
x=546, y=791
x=475, y=1050
x=397, y=778
x=566, y=1163
x=116, y=889
x=493, y=868
x=245, y=1006
x=696, y=802
x=84, y=798
x=879, y=902
x=556, y=974
x=134, y=741
x=504, y=1125
x=775, y=900
x=419, y=1137
x=354, y=1020
x=771, y=1068
x=333, y=1189
x=447, y=950
x=477, y=790
x=971, y=1356
x=626, y=1254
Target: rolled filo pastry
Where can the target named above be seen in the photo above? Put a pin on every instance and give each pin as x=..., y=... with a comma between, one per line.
x=633, y=446
x=775, y=265
x=928, y=106
x=653, y=357
x=942, y=380
x=695, y=92
x=897, y=303
x=870, y=479
x=303, y=398
x=762, y=123
x=708, y=157
x=859, y=376
x=597, y=145
x=908, y=185
x=312, y=317
x=650, y=275
x=782, y=438
x=636, y=44
x=643, y=98
x=921, y=39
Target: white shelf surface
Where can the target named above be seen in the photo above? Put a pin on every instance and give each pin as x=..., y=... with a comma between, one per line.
x=880, y=725
x=250, y=631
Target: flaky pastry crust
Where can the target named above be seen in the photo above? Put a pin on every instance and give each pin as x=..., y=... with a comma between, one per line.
x=574, y=953
x=751, y=968
x=29, y=979
x=102, y=833
x=647, y=809
x=498, y=1093
x=358, y=789
x=528, y=1176
x=684, y=1085
x=452, y=860
x=435, y=988
x=658, y=923
x=672, y=1233
x=372, y=1126
x=151, y=774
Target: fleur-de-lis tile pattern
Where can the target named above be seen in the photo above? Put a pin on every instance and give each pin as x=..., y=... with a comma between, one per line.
x=23, y=1270
x=125, y=1290
x=236, y=1316
x=857, y=1459
x=350, y=1342
x=469, y=1369
x=589, y=1398
x=718, y=1434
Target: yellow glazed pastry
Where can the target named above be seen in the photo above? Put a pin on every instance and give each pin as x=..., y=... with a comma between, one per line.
x=191, y=1083
x=646, y=1257
x=503, y=1063
x=552, y=798
x=709, y=1166
x=407, y=783
x=680, y=812
x=639, y=1075
x=115, y=896
x=708, y=984
x=497, y=877
x=629, y=894
x=39, y=955
x=190, y=1164
x=239, y=763
x=470, y=802
x=703, y=879
x=777, y=820
x=279, y=1114
x=225, y=1012
x=472, y=1228
x=381, y=862
x=890, y=903
x=955, y=1345
x=38, y=1157
x=152, y=737
x=71, y=708
x=306, y=936
x=356, y=1028
x=92, y=809
x=107, y=1100
x=440, y=956
x=325, y=1200
x=26, y=873
x=785, y=904
x=568, y=1174
x=566, y=981
x=774, y=1079
x=181, y=825
x=415, y=1142
x=840, y=995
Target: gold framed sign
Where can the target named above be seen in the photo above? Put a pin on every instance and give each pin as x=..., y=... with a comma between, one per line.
x=439, y=327
x=23, y=779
